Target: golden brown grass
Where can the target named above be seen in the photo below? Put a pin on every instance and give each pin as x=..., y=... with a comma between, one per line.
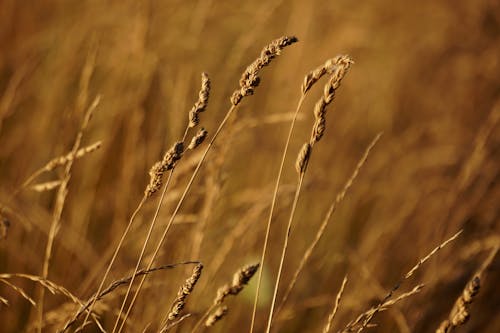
x=87, y=230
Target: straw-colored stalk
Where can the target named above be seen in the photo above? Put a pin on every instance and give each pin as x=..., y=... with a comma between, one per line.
x=248, y=83
x=168, y=162
x=52, y=287
x=333, y=207
x=114, y=285
x=331, y=316
x=309, y=80
x=340, y=69
x=363, y=320
x=59, y=205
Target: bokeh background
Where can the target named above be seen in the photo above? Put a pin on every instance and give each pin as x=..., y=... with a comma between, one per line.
x=426, y=74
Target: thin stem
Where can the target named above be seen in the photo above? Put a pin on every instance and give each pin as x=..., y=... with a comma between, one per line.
x=115, y=254
x=177, y=208
x=271, y=212
x=333, y=207
x=143, y=250
x=285, y=246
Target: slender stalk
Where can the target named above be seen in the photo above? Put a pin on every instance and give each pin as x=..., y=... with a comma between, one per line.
x=285, y=246
x=177, y=208
x=328, y=325
x=333, y=207
x=271, y=212
x=115, y=254
x=59, y=206
x=143, y=250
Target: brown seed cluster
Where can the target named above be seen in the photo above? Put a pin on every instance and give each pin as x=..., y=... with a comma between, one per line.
x=170, y=159
x=250, y=78
x=198, y=138
x=240, y=279
x=460, y=312
x=303, y=158
x=202, y=102
x=337, y=68
x=184, y=292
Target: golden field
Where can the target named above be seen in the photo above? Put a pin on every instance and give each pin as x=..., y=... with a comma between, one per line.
x=425, y=77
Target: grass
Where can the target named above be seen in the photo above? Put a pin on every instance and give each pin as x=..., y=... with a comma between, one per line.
x=91, y=241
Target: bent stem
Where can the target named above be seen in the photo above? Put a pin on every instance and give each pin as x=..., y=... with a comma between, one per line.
x=285, y=246
x=271, y=212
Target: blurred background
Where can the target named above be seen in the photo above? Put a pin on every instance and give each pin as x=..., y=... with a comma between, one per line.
x=426, y=74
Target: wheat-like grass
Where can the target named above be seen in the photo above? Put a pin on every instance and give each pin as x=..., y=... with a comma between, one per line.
x=168, y=162
x=459, y=313
x=331, y=316
x=248, y=83
x=341, y=67
x=240, y=280
x=363, y=320
x=113, y=286
x=310, y=79
x=59, y=205
x=333, y=207
x=185, y=290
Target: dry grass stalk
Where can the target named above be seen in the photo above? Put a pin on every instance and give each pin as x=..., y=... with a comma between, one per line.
x=168, y=162
x=250, y=78
x=59, y=205
x=202, y=102
x=459, y=313
x=46, y=186
x=62, y=160
x=432, y=253
x=275, y=47
x=309, y=81
x=114, y=285
x=368, y=316
x=328, y=325
x=358, y=324
x=340, y=69
x=52, y=287
x=184, y=292
x=217, y=315
x=240, y=279
x=19, y=290
x=333, y=207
